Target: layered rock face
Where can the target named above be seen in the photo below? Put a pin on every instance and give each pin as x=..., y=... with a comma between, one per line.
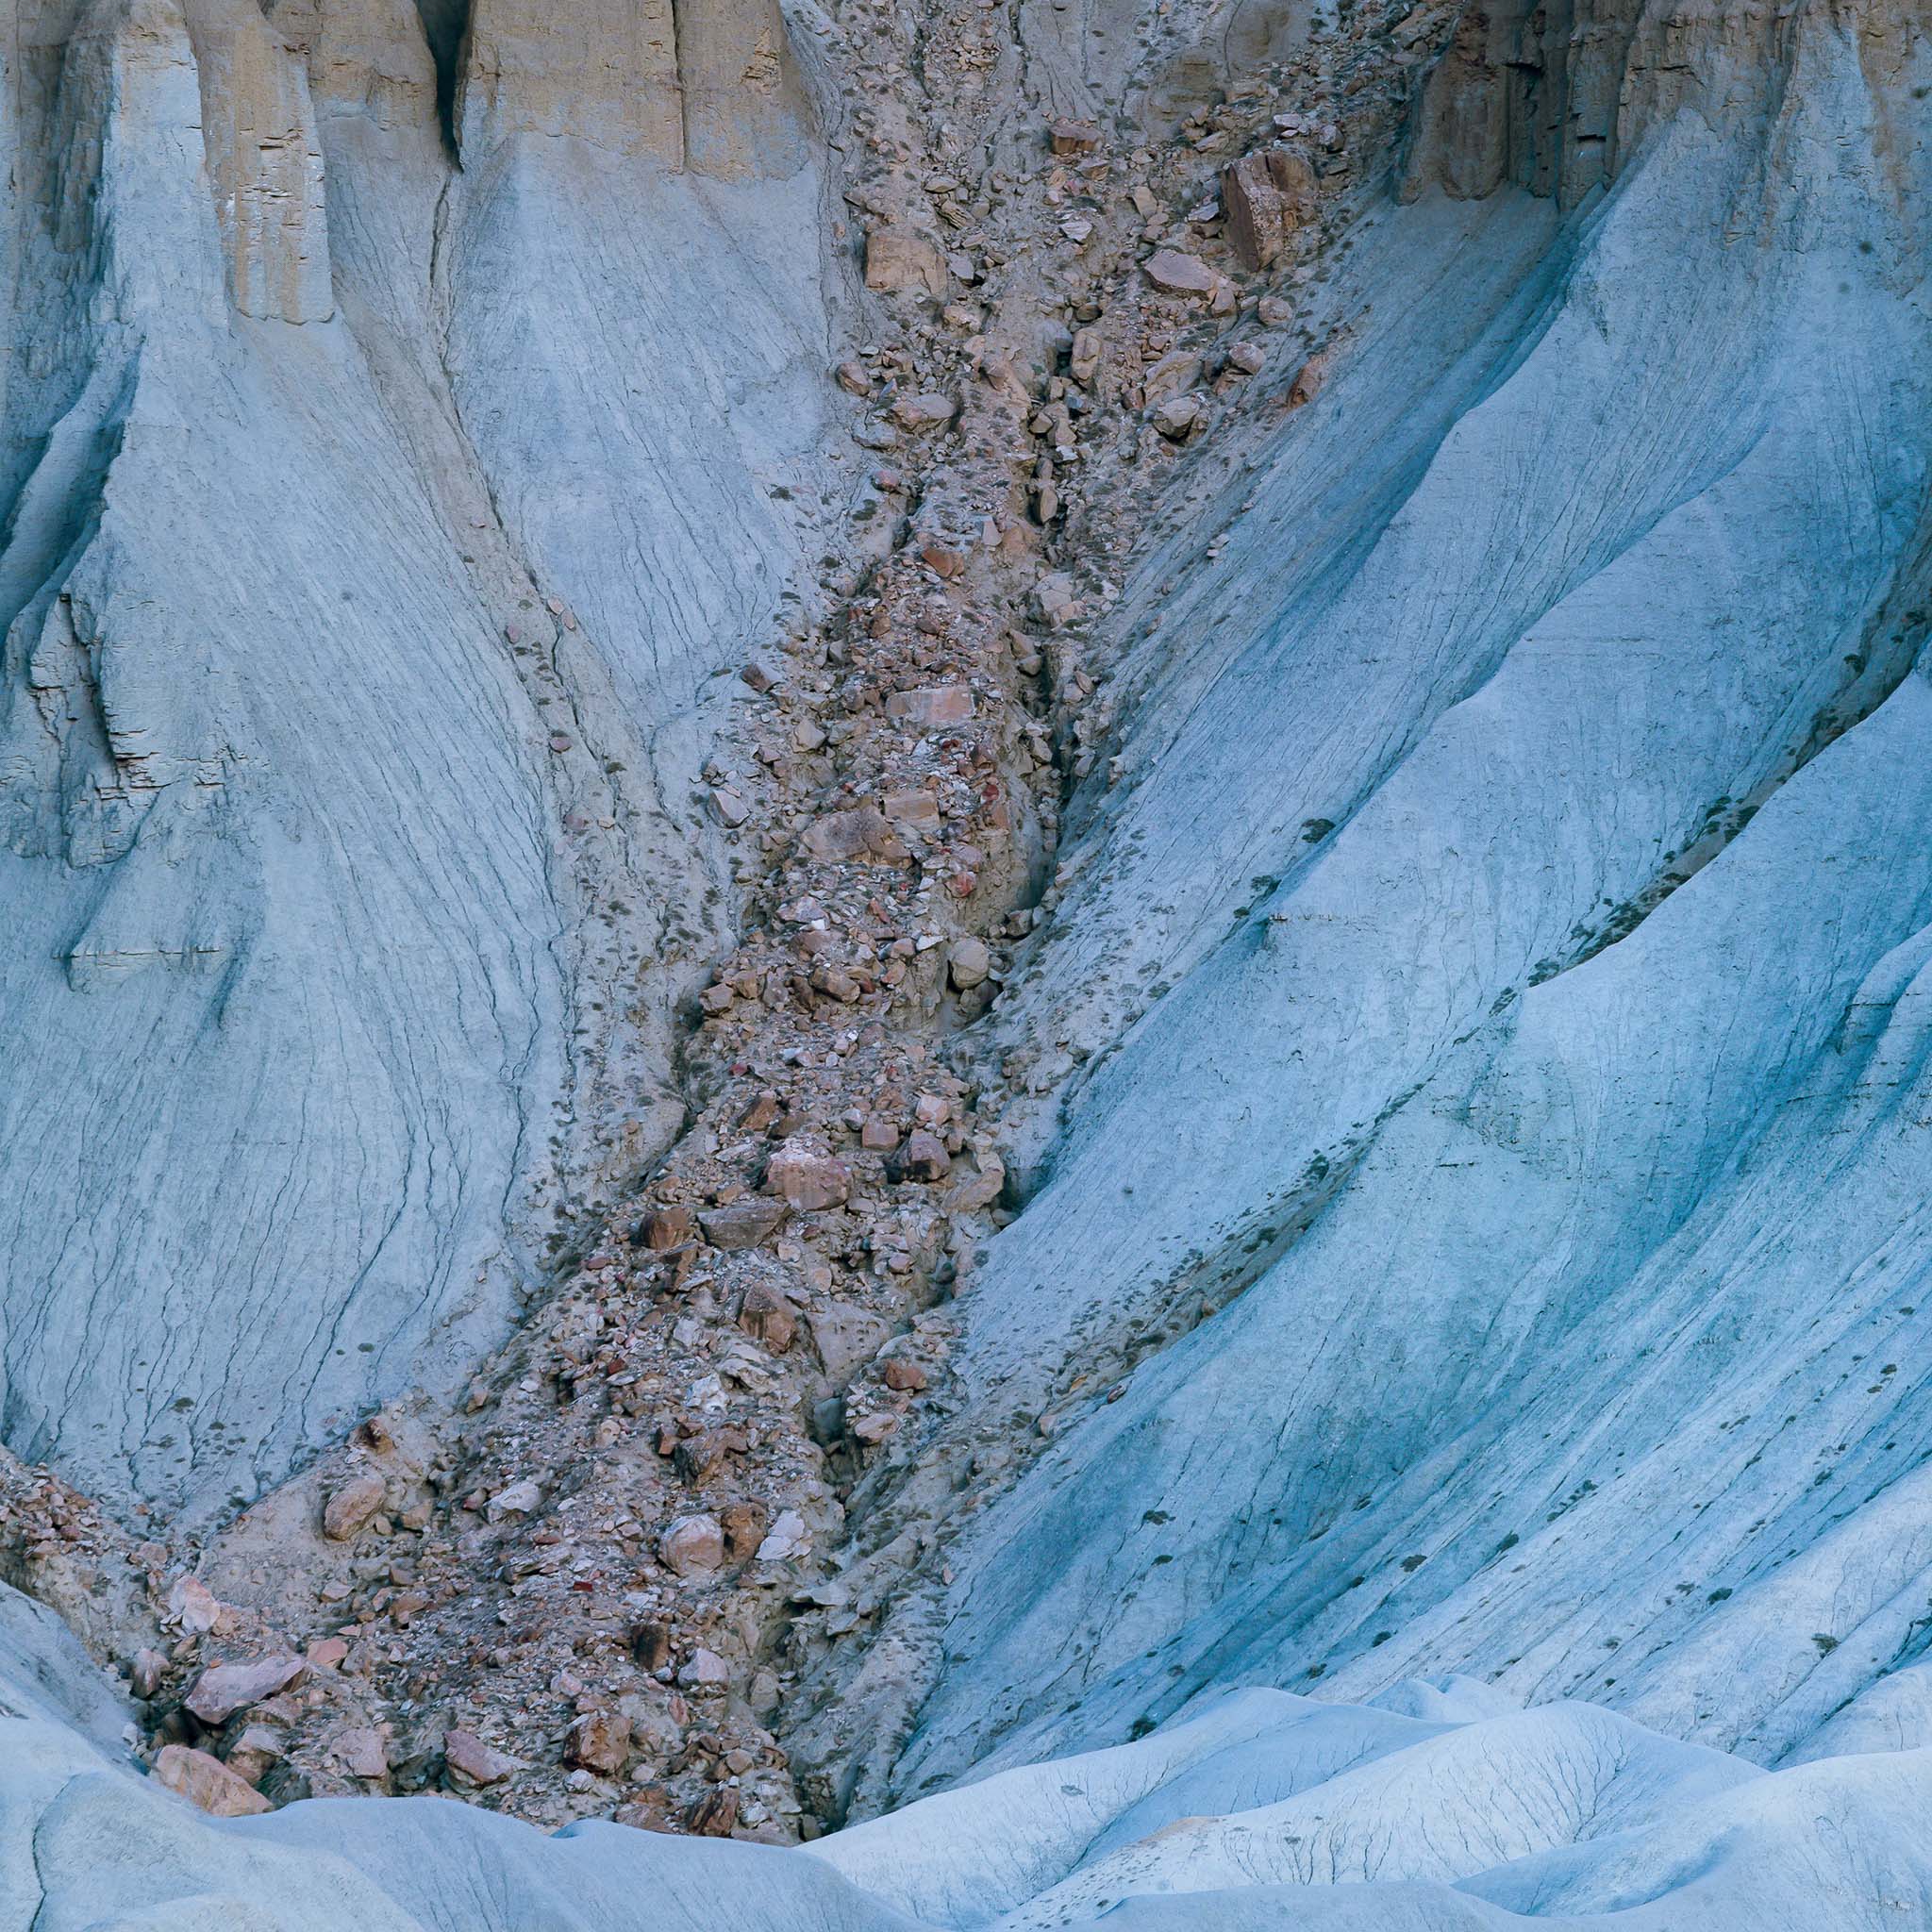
x=362, y=583
x=1430, y=1436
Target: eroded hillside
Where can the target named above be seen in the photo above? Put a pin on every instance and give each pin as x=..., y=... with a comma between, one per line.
x=894, y=882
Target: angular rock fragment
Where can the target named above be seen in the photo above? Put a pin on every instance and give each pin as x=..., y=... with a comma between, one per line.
x=221, y=1690
x=806, y=1181
x=787, y=1537
x=923, y=1158
x=767, y=1315
x=925, y=409
x=968, y=964
x=743, y=1224
x=693, y=1546
x=1266, y=195
x=349, y=1509
x=599, y=1740
x=207, y=1782
x=932, y=708
x=1179, y=274
x=470, y=1757
x=899, y=262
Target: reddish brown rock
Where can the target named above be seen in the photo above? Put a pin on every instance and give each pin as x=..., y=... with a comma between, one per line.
x=806, y=1181
x=923, y=1157
x=743, y=1224
x=904, y=1376
x=467, y=1756
x=899, y=262
x=664, y=1229
x=221, y=1690
x=207, y=1782
x=693, y=1546
x=766, y=1314
x=600, y=1740
x=744, y=1525
x=1267, y=195
x=715, y=1813
x=349, y=1509
x=1179, y=273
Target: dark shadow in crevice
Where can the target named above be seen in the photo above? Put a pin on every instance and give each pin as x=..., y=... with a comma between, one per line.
x=446, y=27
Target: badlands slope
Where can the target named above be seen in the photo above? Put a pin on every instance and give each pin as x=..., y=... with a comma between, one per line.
x=323, y=902
x=1442, y=1440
